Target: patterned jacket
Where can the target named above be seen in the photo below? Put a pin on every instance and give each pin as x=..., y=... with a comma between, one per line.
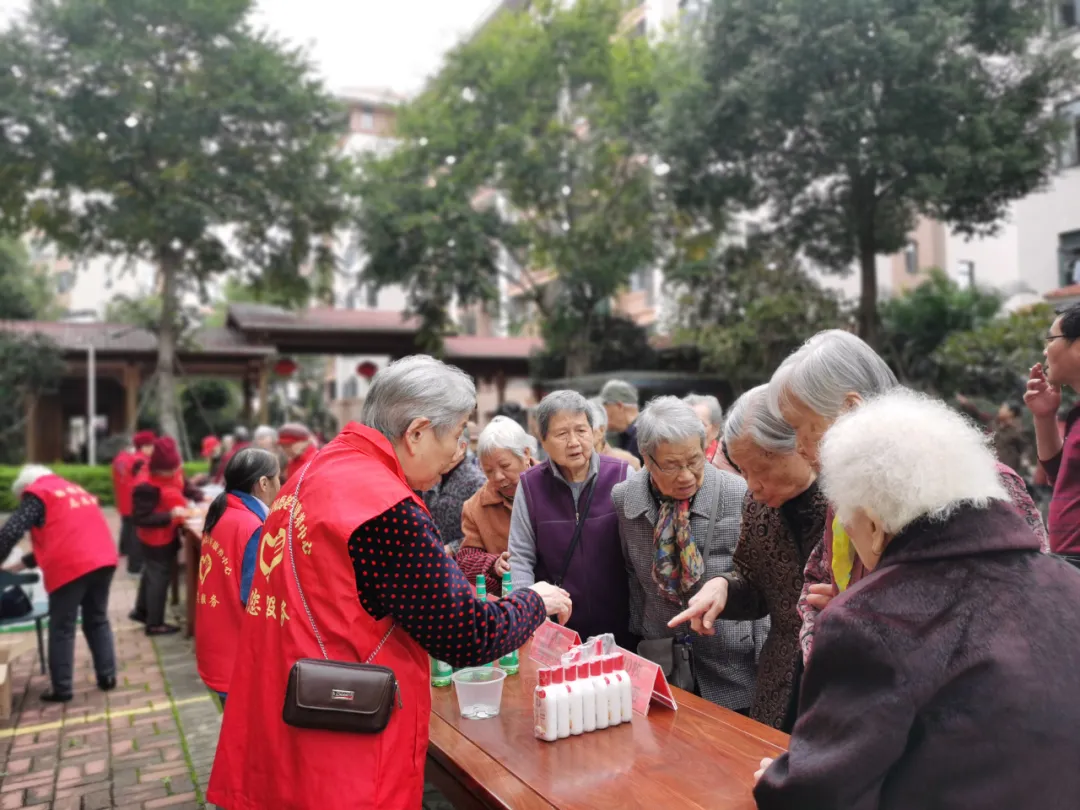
x=726, y=663
x=445, y=501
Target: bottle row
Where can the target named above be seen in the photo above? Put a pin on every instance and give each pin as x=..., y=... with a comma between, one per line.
x=583, y=697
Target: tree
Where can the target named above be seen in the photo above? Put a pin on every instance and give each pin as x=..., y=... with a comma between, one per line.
x=916, y=322
x=28, y=366
x=847, y=119
x=25, y=292
x=749, y=307
x=523, y=163
x=992, y=360
x=174, y=132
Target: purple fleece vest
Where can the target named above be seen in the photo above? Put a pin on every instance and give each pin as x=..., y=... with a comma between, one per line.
x=596, y=577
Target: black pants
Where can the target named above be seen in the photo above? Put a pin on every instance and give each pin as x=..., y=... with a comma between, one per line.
x=91, y=593
x=158, y=564
x=130, y=546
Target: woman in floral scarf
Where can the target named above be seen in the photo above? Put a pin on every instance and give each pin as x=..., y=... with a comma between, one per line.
x=679, y=524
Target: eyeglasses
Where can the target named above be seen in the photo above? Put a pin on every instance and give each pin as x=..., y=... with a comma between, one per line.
x=1052, y=338
x=695, y=467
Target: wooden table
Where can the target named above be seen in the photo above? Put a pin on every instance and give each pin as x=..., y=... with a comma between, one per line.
x=191, y=550
x=701, y=756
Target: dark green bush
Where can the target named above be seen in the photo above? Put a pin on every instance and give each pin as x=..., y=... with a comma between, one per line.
x=96, y=480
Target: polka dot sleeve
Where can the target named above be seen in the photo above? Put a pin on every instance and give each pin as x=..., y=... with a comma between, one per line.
x=402, y=570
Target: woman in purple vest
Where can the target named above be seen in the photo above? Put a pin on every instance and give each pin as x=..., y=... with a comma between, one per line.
x=573, y=486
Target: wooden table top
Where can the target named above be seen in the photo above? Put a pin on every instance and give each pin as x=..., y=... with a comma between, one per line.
x=701, y=756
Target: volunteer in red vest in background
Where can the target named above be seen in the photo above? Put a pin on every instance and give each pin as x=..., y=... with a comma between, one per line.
x=359, y=562
x=240, y=439
x=143, y=443
x=159, y=506
x=299, y=446
x=211, y=451
x=74, y=548
x=227, y=564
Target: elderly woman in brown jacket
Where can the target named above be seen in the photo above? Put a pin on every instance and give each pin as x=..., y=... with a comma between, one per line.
x=783, y=516
x=505, y=451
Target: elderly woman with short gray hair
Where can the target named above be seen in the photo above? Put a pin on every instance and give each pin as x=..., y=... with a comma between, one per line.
x=351, y=569
x=949, y=677
x=711, y=414
x=600, y=442
x=783, y=518
x=563, y=528
x=679, y=524
x=832, y=373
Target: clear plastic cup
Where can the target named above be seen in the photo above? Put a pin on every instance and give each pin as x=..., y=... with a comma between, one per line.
x=479, y=691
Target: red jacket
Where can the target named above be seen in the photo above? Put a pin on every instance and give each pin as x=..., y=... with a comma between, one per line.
x=218, y=608
x=153, y=498
x=122, y=480
x=75, y=539
x=263, y=763
x=296, y=466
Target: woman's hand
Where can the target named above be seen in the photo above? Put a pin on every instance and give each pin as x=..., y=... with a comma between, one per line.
x=501, y=564
x=556, y=600
x=1042, y=398
x=704, y=606
x=764, y=766
x=16, y=568
x=179, y=512
x=820, y=595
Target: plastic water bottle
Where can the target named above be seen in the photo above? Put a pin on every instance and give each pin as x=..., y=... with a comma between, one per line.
x=440, y=673
x=509, y=662
x=481, y=594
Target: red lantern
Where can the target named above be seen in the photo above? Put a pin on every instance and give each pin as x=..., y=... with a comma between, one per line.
x=285, y=367
x=367, y=369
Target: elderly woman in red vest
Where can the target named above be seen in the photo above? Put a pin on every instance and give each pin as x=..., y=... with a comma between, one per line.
x=125, y=467
x=75, y=551
x=299, y=446
x=159, y=506
x=351, y=568
x=227, y=563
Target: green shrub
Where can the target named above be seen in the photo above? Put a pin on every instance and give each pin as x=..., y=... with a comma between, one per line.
x=96, y=480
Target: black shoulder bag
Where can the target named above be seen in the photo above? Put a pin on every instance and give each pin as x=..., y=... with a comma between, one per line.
x=582, y=517
x=329, y=695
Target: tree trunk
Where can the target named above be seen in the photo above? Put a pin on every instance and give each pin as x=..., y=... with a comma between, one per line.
x=167, y=339
x=868, y=313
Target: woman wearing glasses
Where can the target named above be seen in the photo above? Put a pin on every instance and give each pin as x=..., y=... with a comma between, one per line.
x=679, y=523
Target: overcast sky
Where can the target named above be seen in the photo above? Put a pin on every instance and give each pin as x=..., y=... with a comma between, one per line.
x=391, y=44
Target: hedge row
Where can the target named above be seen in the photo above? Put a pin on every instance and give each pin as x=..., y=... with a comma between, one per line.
x=96, y=480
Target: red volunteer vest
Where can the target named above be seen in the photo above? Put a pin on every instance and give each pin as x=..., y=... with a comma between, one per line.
x=262, y=763
x=296, y=466
x=75, y=539
x=172, y=495
x=121, y=473
x=220, y=475
x=218, y=609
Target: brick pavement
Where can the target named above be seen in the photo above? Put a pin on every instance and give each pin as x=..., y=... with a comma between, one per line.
x=148, y=744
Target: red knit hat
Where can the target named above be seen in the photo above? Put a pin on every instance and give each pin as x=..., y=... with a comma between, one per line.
x=209, y=445
x=293, y=433
x=143, y=438
x=165, y=456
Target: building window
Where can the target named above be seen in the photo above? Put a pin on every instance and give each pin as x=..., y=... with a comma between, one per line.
x=1068, y=13
x=351, y=389
x=965, y=274
x=371, y=296
x=1069, y=151
x=367, y=119
x=64, y=282
x=911, y=259
x=1069, y=259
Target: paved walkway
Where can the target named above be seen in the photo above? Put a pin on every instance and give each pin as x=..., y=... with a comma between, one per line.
x=148, y=744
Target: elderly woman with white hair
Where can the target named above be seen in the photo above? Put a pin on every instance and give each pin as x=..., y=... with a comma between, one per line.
x=711, y=414
x=948, y=678
x=563, y=526
x=783, y=517
x=74, y=548
x=505, y=451
x=600, y=442
x=679, y=524
x=351, y=570
x=830, y=374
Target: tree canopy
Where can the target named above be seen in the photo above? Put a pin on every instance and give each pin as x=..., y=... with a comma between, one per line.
x=847, y=119
x=26, y=293
x=175, y=132
x=522, y=167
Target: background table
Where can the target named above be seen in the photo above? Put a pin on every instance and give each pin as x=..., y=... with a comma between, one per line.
x=701, y=756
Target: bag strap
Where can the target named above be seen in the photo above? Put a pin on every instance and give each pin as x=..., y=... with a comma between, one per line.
x=299, y=587
x=577, y=532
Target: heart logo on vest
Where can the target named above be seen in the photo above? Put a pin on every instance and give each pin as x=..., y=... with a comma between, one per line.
x=276, y=545
x=205, y=564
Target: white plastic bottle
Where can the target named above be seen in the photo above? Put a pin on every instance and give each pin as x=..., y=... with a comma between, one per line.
x=562, y=703
x=573, y=690
x=596, y=673
x=545, y=713
x=588, y=697
x=613, y=696
x=626, y=691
